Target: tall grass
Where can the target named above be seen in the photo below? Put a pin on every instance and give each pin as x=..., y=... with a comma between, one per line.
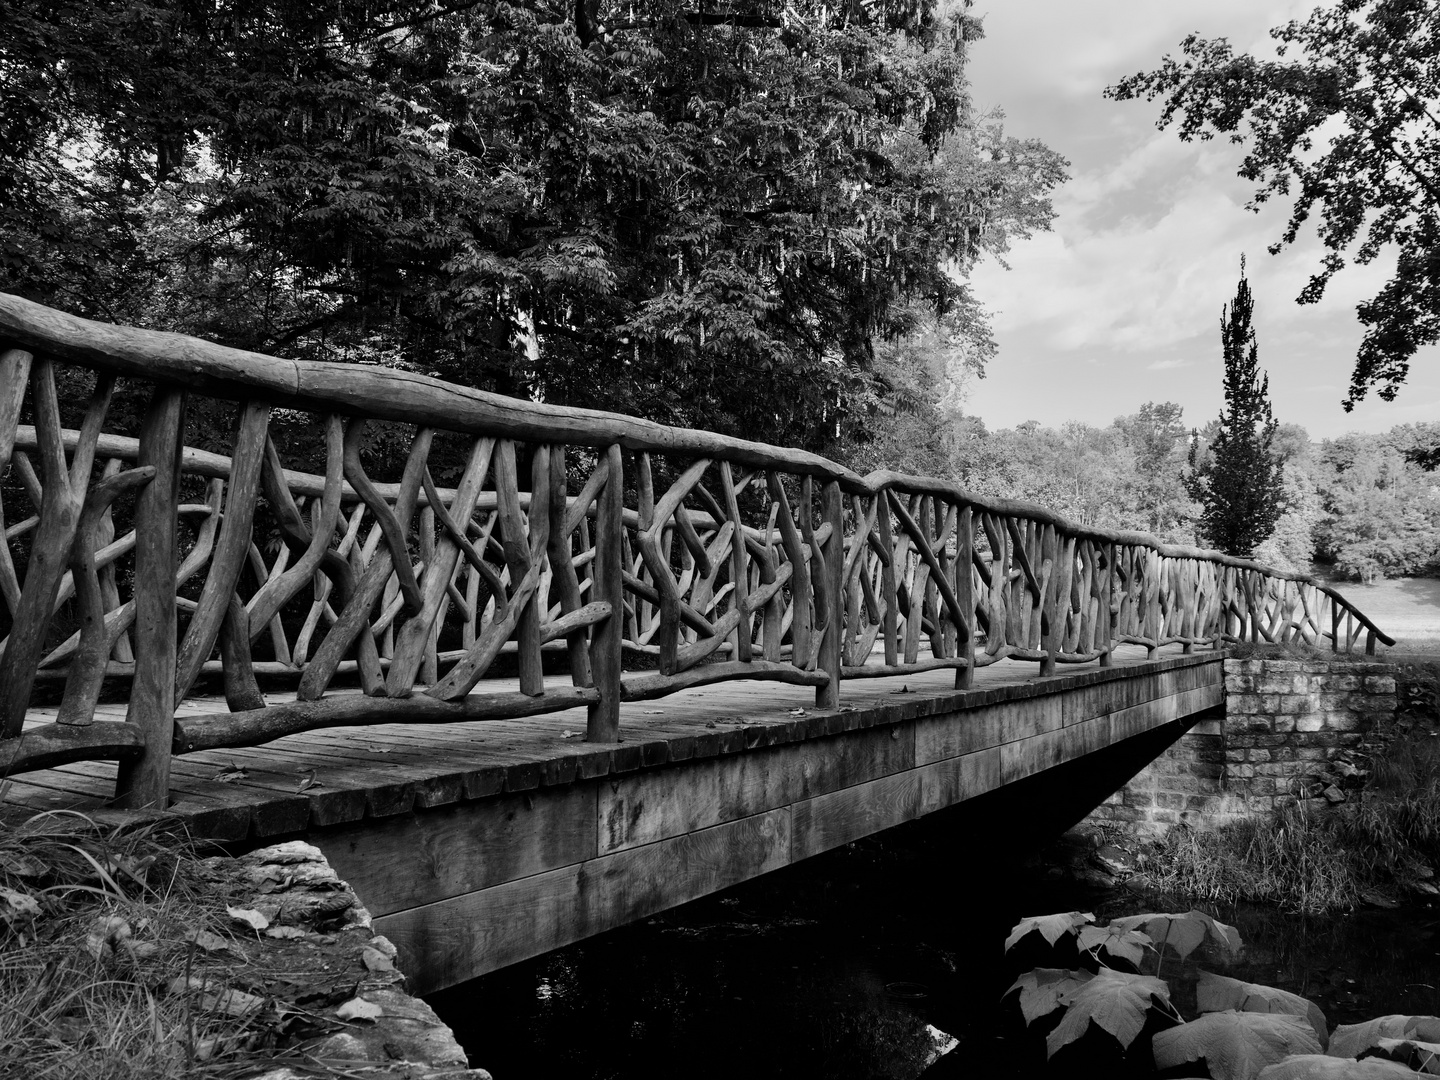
x=1311, y=857
x=95, y=926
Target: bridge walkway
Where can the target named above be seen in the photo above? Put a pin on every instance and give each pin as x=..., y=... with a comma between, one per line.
x=341, y=775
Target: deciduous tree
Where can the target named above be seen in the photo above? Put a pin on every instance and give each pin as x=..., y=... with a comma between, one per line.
x=1346, y=121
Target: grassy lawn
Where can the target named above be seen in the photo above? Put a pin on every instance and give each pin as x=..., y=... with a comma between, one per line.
x=1408, y=609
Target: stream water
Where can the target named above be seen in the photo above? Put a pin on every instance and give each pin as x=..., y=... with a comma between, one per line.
x=848, y=965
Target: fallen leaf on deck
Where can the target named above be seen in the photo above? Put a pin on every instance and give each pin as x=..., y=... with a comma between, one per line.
x=797, y=712
x=359, y=1009
x=307, y=780
x=378, y=749
x=654, y=712
x=249, y=916
x=231, y=774
x=570, y=734
x=903, y=690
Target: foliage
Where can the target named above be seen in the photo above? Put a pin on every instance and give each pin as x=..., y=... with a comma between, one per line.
x=1326, y=1067
x=1113, y=1001
x=1239, y=480
x=1381, y=511
x=1235, y=1045
x=1184, y=932
x=1218, y=993
x=1041, y=990
x=703, y=217
x=1343, y=120
x=1352, y=1040
x=1051, y=927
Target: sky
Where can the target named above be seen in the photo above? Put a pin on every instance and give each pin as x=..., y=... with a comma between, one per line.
x=1120, y=304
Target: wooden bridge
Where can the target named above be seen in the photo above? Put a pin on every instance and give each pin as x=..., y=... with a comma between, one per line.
x=559, y=669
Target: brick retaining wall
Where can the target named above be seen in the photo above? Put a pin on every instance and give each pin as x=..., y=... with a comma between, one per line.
x=1289, y=730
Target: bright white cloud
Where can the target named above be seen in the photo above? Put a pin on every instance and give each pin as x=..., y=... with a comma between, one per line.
x=1121, y=303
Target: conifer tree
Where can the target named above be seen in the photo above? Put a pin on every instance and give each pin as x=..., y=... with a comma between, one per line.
x=1239, y=481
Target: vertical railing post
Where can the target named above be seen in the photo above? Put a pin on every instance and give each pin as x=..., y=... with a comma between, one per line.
x=1052, y=545
x=145, y=780
x=832, y=513
x=965, y=594
x=1107, y=610
x=603, y=723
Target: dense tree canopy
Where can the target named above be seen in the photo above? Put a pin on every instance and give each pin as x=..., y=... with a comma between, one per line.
x=704, y=214
x=1347, y=122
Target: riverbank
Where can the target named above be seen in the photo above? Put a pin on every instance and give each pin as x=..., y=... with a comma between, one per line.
x=129, y=954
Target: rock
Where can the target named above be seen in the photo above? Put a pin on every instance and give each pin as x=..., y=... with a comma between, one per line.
x=1333, y=795
x=1114, y=860
x=1375, y=898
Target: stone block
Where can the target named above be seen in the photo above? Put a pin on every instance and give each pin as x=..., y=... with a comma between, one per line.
x=1380, y=684
x=1239, y=684
x=1169, y=800
x=1312, y=753
x=1260, y=755
x=1262, y=785
x=1237, y=754
x=1310, y=722
x=1293, y=704
x=1138, y=799
x=1284, y=725
x=1207, y=770
x=1242, y=667
x=1287, y=667
x=1269, y=704
x=1165, y=817
x=1349, y=738
x=1271, y=683
x=1337, y=682
x=1241, y=705
x=1240, y=772
x=1205, y=804
x=1344, y=721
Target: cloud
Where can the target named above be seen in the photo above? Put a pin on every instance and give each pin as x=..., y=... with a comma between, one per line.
x=1122, y=302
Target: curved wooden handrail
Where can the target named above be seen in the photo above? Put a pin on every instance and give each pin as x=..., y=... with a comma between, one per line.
x=415, y=590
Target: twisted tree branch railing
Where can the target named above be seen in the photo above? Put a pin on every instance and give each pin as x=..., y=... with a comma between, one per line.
x=652, y=558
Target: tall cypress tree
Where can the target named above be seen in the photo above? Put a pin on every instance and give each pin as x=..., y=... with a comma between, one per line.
x=1240, y=483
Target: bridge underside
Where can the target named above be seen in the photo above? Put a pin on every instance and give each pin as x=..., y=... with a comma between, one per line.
x=475, y=886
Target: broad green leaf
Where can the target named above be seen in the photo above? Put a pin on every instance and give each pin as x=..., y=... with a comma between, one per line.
x=1126, y=944
x=1216, y=993
x=1184, y=932
x=1051, y=927
x=1420, y=1057
x=1235, y=1045
x=1352, y=1040
x=1041, y=990
x=1113, y=1000
x=1325, y=1067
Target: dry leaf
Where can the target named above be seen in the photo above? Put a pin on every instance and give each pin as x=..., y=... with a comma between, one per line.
x=107, y=932
x=249, y=916
x=359, y=1009
x=307, y=780
x=204, y=939
x=284, y=932
x=571, y=734
x=231, y=774
x=375, y=960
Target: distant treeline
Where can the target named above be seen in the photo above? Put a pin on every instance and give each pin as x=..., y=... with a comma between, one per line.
x=1363, y=506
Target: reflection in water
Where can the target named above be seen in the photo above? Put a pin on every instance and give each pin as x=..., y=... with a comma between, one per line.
x=838, y=967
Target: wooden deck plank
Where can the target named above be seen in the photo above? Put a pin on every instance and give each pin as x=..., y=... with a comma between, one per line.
x=390, y=769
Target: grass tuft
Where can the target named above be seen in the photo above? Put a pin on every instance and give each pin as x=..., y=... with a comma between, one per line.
x=101, y=976
x=1313, y=858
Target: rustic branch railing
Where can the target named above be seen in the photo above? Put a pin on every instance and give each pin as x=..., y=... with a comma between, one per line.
x=559, y=534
